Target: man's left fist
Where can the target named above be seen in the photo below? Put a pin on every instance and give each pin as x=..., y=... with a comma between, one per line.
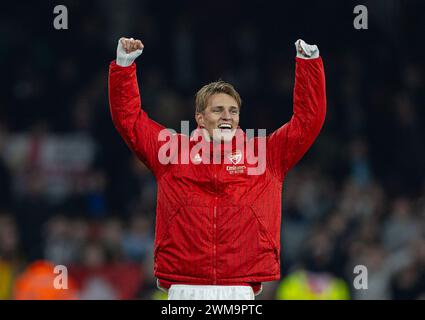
x=306, y=51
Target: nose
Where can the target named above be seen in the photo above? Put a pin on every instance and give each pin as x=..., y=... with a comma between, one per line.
x=225, y=115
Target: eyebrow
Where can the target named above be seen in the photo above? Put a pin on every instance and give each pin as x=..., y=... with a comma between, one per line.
x=222, y=107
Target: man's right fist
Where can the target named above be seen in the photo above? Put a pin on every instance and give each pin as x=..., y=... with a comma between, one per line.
x=128, y=50
x=306, y=51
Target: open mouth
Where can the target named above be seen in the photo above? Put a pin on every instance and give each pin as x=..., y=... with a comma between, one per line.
x=225, y=127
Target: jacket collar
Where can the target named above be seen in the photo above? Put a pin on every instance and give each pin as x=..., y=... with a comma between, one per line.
x=200, y=135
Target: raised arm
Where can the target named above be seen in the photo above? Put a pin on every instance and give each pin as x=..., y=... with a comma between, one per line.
x=287, y=145
x=137, y=129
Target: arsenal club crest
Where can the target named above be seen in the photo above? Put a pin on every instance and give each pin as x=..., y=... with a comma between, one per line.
x=235, y=157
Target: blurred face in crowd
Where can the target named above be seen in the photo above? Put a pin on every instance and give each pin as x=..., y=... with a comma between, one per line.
x=220, y=118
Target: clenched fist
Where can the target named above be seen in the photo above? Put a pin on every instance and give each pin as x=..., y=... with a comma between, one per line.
x=128, y=50
x=306, y=51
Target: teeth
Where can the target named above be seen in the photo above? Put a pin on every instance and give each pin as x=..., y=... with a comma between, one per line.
x=225, y=126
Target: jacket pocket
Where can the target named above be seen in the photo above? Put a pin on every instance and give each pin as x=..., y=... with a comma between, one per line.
x=245, y=249
x=185, y=248
x=166, y=234
x=263, y=231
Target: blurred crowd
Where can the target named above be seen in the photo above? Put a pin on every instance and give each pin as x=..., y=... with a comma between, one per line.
x=72, y=194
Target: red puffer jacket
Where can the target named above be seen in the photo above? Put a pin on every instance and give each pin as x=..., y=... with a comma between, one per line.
x=215, y=223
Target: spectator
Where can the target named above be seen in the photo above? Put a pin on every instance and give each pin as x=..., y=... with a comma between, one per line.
x=138, y=240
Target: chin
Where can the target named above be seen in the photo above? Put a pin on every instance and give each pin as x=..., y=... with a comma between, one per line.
x=223, y=136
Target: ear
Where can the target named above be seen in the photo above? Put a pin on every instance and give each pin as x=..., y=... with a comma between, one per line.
x=199, y=117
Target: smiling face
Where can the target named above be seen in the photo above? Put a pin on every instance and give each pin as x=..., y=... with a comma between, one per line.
x=220, y=118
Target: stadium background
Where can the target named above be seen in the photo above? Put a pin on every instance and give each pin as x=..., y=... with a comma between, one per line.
x=71, y=192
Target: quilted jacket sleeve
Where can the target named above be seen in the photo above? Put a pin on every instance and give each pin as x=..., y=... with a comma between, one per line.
x=287, y=145
x=139, y=132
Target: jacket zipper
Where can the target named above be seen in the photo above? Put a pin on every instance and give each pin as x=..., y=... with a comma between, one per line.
x=215, y=231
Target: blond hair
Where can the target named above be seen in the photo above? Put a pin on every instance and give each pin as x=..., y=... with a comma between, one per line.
x=202, y=96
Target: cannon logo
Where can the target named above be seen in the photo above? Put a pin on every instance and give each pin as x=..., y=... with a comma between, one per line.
x=235, y=157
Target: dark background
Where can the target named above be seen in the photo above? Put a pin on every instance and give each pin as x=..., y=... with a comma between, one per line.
x=357, y=197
